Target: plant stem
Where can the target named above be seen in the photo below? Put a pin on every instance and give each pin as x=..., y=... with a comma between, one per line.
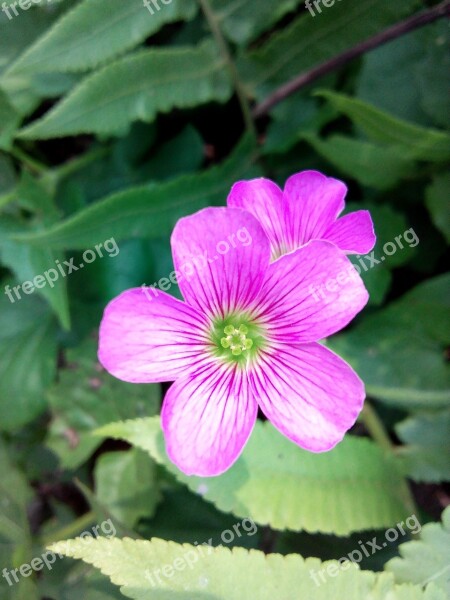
x=391, y=33
x=34, y=164
x=377, y=431
x=228, y=59
x=77, y=526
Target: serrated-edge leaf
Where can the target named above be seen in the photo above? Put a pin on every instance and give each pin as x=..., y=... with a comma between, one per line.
x=132, y=213
x=420, y=143
x=427, y=559
x=276, y=483
x=90, y=29
x=138, y=566
x=151, y=82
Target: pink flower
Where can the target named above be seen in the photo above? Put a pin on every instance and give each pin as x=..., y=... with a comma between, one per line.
x=308, y=209
x=245, y=337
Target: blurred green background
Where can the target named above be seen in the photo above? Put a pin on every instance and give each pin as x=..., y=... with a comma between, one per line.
x=117, y=119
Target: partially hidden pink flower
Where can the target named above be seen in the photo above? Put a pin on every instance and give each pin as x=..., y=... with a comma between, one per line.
x=307, y=209
x=245, y=337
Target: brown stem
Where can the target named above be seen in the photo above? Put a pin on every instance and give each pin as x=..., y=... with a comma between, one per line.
x=391, y=33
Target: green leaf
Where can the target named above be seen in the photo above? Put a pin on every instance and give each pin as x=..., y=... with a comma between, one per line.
x=371, y=164
x=28, y=262
x=15, y=536
x=405, y=77
x=151, y=81
x=350, y=488
x=28, y=365
x=309, y=41
x=426, y=456
x=415, y=142
x=432, y=71
x=86, y=397
x=241, y=23
x=160, y=570
x=427, y=559
x=399, y=352
x=9, y=122
x=436, y=199
x=94, y=32
x=150, y=211
x=126, y=485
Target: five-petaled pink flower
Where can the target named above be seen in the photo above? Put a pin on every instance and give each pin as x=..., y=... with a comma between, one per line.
x=245, y=337
x=307, y=209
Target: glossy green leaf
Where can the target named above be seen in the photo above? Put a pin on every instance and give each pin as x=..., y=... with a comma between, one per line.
x=241, y=23
x=426, y=560
x=436, y=198
x=9, y=122
x=371, y=164
x=15, y=535
x=126, y=485
x=274, y=482
x=150, y=211
x=426, y=454
x=310, y=40
x=418, y=143
x=86, y=397
x=30, y=264
x=28, y=365
x=160, y=570
x=405, y=76
x=399, y=352
x=94, y=32
x=151, y=81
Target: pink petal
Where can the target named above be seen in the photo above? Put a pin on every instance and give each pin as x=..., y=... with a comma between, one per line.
x=146, y=339
x=310, y=294
x=309, y=394
x=313, y=204
x=352, y=233
x=207, y=419
x=265, y=201
x=222, y=254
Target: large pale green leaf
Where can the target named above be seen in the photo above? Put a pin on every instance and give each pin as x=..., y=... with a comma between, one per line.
x=150, y=211
x=85, y=397
x=126, y=485
x=436, y=199
x=28, y=359
x=426, y=455
x=400, y=351
x=151, y=81
x=427, y=559
x=312, y=40
x=241, y=23
x=413, y=141
x=160, y=570
x=371, y=164
x=350, y=488
x=94, y=32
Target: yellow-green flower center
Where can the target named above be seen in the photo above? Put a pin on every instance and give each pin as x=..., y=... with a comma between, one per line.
x=236, y=339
